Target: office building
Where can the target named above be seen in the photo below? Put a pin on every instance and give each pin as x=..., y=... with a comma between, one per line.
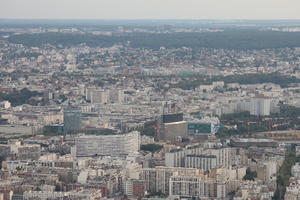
x=171, y=127
x=72, y=119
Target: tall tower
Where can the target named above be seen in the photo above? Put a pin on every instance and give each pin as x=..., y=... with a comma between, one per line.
x=72, y=119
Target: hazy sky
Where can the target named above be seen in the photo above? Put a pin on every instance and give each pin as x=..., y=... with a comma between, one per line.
x=151, y=9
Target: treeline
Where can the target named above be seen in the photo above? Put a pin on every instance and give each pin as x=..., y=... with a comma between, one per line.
x=193, y=82
x=19, y=97
x=228, y=39
x=149, y=131
x=247, y=123
x=284, y=173
x=281, y=80
x=151, y=147
x=65, y=39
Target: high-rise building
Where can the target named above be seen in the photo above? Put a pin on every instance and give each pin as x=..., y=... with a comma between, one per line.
x=72, y=119
x=260, y=106
x=111, y=145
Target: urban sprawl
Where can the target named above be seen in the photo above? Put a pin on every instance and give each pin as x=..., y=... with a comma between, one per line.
x=123, y=122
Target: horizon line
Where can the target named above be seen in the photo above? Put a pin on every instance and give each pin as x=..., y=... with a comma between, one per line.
x=122, y=19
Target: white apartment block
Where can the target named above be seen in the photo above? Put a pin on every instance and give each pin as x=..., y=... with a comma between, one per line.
x=260, y=106
x=205, y=162
x=157, y=179
x=200, y=158
x=111, y=145
x=197, y=186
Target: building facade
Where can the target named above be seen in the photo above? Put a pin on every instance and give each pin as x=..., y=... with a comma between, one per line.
x=72, y=119
x=122, y=144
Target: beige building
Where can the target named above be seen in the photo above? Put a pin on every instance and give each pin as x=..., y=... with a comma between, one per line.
x=26, y=151
x=174, y=130
x=157, y=179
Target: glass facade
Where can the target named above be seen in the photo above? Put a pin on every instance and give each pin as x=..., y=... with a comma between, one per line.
x=72, y=119
x=199, y=128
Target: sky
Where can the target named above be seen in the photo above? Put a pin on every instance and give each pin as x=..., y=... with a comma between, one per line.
x=150, y=9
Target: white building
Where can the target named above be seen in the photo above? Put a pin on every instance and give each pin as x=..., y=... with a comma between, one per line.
x=123, y=144
x=196, y=186
x=43, y=195
x=204, y=162
x=199, y=157
x=296, y=171
x=260, y=106
x=157, y=179
x=5, y=104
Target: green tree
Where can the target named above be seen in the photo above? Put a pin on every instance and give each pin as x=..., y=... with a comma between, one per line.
x=284, y=174
x=151, y=147
x=250, y=175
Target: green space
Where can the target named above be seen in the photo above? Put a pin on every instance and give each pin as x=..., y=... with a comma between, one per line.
x=243, y=123
x=241, y=39
x=23, y=96
x=191, y=82
x=149, y=131
x=284, y=173
x=151, y=147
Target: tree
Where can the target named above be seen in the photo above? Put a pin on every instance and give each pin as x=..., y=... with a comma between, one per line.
x=19, y=97
x=1, y=160
x=284, y=174
x=18, y=168
x=149, y=131
x=151, y=147
x=250, y=175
